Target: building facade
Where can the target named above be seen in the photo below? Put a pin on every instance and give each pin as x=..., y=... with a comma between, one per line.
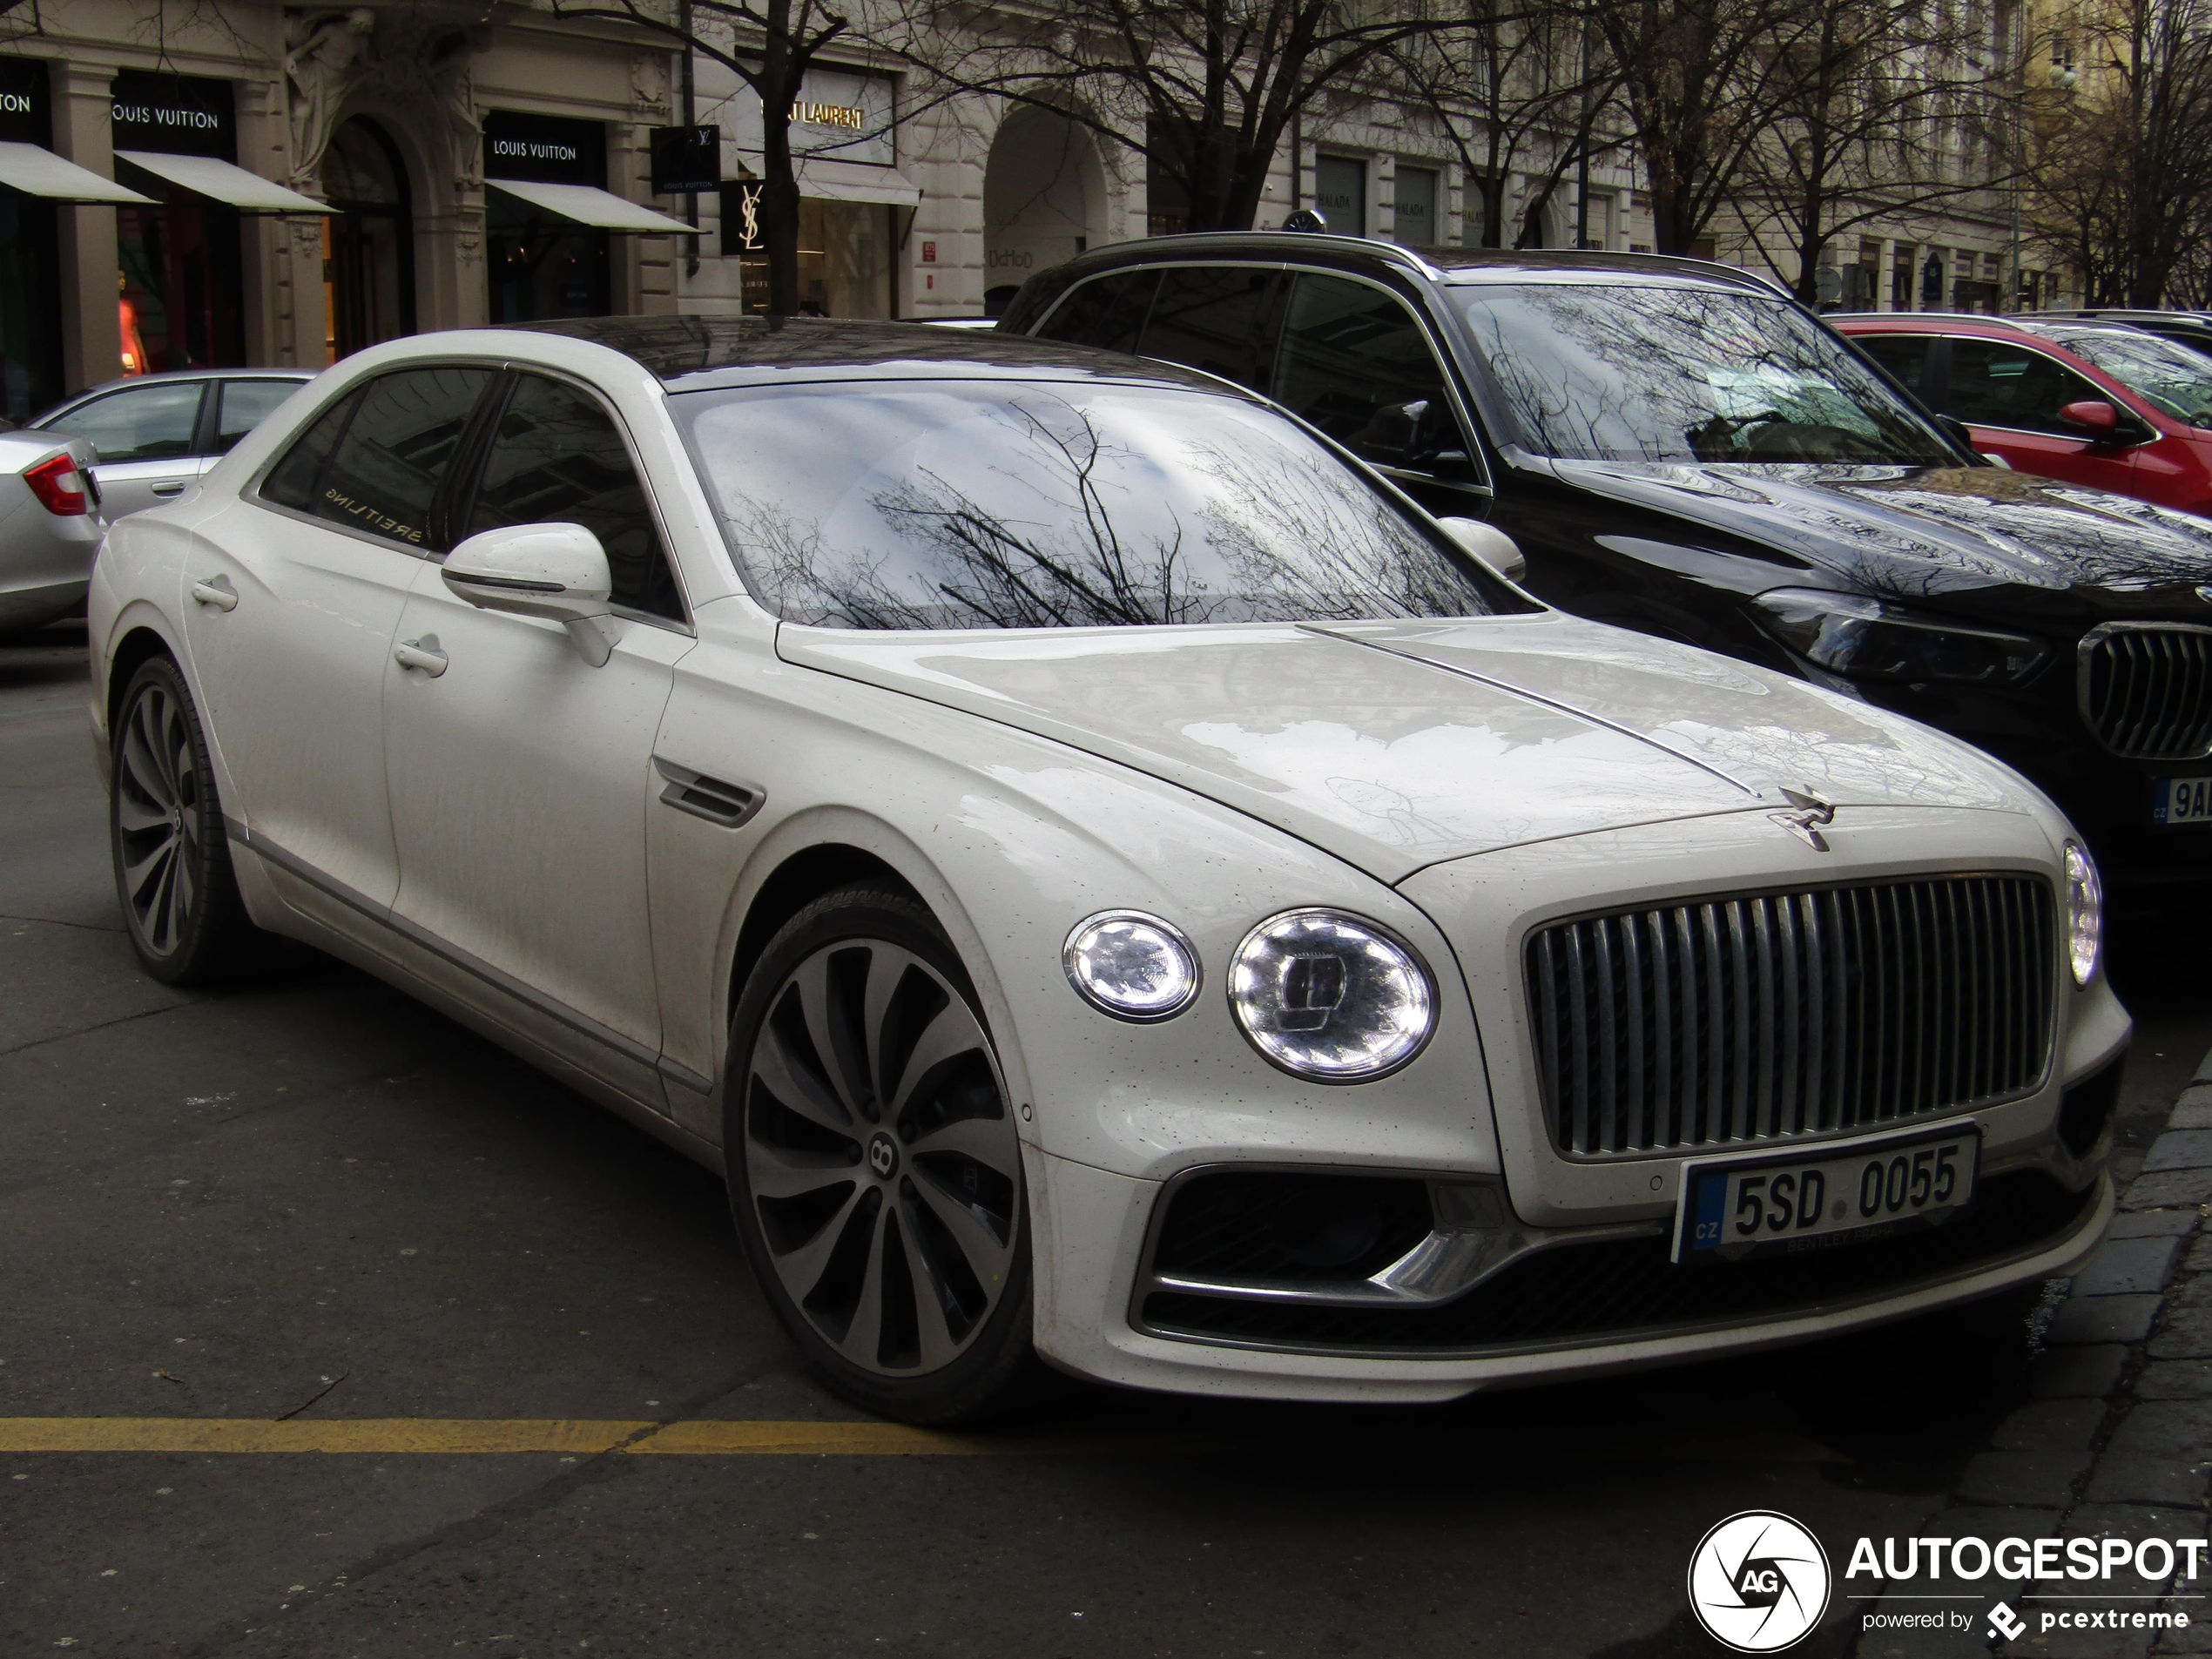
x=249, y=184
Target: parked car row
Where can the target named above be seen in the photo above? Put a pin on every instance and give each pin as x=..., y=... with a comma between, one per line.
x=117, y=449
x=1108, y=878
x=1679, y=450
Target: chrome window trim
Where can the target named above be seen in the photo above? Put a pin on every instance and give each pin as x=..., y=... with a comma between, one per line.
x=1470, y=428
x=250, y=493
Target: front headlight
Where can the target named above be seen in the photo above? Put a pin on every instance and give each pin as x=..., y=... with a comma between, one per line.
x=1328, y=996
x=2085, y=913
x=1131, y=966
x=1870, y=639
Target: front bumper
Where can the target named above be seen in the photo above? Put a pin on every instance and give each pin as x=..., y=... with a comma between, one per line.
x=1596, y=1291
x=1084, y=1306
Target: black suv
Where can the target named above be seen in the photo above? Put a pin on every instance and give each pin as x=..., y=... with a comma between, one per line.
x=1677, y=446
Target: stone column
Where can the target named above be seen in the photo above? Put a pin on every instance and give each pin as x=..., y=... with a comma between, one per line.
x=1886, y=276
x=92, y=335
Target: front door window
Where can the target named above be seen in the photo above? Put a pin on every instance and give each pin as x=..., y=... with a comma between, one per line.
x=1354, y=360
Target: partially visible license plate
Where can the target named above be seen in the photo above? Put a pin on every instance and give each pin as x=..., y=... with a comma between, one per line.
x=1822, y=1196
x=2181, y=801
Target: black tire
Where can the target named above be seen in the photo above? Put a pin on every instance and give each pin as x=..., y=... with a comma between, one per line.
x=172, y=860
x=883, y=1206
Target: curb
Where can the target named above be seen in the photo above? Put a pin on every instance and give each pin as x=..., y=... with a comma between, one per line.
x=2115, y=1438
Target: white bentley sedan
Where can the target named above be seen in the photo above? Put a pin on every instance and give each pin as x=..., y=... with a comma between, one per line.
x=1107, y=878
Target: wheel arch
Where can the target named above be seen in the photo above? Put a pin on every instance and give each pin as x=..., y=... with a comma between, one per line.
x=138, y=642
x=817, y=852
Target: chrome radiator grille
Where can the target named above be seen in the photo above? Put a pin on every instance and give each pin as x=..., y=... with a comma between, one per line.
x=2147, y=692
x=1706, y=1025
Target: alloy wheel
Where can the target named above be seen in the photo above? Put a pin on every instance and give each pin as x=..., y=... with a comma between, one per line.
x=880, y=1160
x=157, y=815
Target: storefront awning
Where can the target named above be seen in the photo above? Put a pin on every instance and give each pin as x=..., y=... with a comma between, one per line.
x=220, y=181
x=587, y=205
x=854, y=181
x=39, y=171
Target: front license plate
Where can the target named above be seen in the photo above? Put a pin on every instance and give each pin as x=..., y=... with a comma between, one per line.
x=2181, y=801
x=1822, y=1196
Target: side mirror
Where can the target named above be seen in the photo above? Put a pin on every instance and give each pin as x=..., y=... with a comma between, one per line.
x=2094, y=416
x=556, y=571
x=1490, y=545
x=1392, y=434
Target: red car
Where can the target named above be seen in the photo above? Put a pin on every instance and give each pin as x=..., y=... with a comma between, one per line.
x=2096, y=403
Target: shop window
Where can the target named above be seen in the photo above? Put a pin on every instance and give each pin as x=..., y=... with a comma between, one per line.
x=844, y=254
x=1415, y=215
x=181, y=277
x=1340, y=192
x=30, y=291
x=368, y=243
x=557, y=458
x=543, y=267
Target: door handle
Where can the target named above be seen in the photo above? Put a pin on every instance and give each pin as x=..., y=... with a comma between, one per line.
x=422, y=653
x=217, y=591
x=177, y=489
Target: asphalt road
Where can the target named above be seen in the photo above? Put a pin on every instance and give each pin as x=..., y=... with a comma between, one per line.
x=310, y=1195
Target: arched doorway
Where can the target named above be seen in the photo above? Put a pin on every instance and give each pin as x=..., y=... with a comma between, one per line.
x=368, y=243
x=1044, y=199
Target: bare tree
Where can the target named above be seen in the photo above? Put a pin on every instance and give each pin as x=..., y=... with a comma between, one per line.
x=768, y=46
x=1511, y=88
x=1207, y=92
x=1873, y=109
x=1693, y=77
x=2121, y=160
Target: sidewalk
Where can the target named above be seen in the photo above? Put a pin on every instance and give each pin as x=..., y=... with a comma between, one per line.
x=2116, y=1439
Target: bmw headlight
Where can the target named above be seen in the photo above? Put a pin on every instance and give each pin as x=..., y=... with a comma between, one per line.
x=1863, y=638
x=2085, y=913
x=1131, y=966
x=1328, y=996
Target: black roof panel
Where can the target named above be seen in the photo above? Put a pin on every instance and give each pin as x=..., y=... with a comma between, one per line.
x=696, y=354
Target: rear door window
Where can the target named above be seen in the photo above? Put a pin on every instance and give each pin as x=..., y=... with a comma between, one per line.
x=375, y=462
x=555, y=458
x=1108, y=312
x=141, y=423
x=1219, y=318
x=244, y=404
x=1350, y=353
x=1906, y=356
x=1993, y=382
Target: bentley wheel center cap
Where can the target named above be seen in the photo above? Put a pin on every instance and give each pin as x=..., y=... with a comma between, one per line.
x=883, y=1155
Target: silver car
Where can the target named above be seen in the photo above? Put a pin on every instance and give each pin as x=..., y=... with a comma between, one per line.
x=155, y=434
x=49, y=524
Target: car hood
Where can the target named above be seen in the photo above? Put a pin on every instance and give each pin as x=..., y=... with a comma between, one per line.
x=1927, y=531
x=1396, y=745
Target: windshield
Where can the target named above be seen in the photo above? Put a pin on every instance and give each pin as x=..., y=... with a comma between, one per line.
x=1611, y=373
x=2174, y=379
x=958, y=504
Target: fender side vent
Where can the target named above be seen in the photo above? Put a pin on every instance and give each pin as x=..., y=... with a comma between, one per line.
x=726, y=803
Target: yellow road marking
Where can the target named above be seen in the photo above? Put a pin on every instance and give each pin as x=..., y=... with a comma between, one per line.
x=701, y=1436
